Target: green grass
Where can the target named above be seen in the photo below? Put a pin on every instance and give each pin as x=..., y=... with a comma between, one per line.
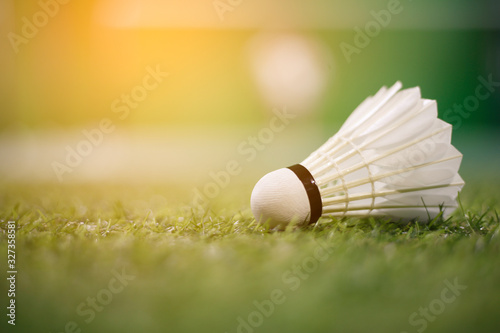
x=200, y=270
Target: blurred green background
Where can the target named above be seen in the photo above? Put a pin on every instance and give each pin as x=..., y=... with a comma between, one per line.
x=129, y=201
x=229, y=65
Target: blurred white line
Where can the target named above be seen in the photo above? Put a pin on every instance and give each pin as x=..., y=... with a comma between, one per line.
x=149, y=154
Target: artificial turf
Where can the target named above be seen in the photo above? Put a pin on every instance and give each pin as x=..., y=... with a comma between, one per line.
x=107, y=258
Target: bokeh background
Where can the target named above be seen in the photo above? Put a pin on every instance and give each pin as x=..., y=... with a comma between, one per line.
x=132, y=200
x=230, y=65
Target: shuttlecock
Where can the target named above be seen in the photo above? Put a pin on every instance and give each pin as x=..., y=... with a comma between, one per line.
x=392, y=157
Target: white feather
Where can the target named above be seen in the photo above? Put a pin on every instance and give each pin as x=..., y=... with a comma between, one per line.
x=392, y=157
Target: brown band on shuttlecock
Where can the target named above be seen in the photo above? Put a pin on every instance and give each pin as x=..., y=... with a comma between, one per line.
x=312, y=190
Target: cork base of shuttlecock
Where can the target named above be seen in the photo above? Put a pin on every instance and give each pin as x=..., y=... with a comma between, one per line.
x=280, y=199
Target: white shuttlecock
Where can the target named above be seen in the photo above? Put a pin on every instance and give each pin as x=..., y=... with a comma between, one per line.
x=392, y=157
